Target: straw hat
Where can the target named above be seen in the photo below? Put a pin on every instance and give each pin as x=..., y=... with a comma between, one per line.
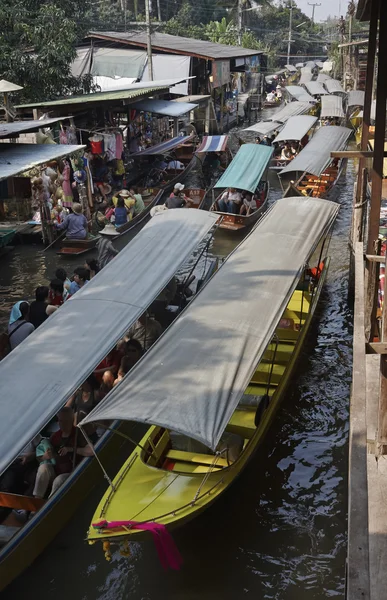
x=109, y=229
x=179, y=186
x=105, y=188
x=77, y=208
x=123, y=193
x=157, y=210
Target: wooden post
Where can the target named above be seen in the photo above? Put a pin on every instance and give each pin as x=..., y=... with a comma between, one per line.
x=380, y=125
x=372, y=288
x=221, y=108
x=381, y=434
x=207, y=118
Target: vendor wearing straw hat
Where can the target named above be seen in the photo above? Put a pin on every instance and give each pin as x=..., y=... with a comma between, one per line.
x=75, y=224
x=106, y=250
x=127, y=197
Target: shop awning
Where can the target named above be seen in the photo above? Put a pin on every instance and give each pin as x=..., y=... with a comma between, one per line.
x=195, y=375
x=316, y=155
x=17, y=127
x=315, y=88
x=296, y=128
x=334, y=86
x=62, y=353
x=291, y=110
x=299, y=93
x=356, y=98
x=17, y=158
x=332, y=106
x=264, y=127
x=247, y=168
x=213, y=143
x=164, y=147
x=164, y=107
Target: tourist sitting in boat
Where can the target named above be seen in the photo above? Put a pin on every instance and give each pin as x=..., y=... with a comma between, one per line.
x=249, y=204
x=278, y=92
x=133, y=353
x=75, y=224
x=62, y=275
x=121, y=213
x=38, y=308
x=56, y=292
x=107, y=369
x=81, y=277
x=146, y=330
x=19, y=327
x=66, y=447
x=277, y=150
x=106, y=250
x=139, y=205
x=93, y=267
x=177, y=199
x=258, y=140
x=20, y=476
x=286, y=153
x=230, y=201
x=176, y=165
x=84, y=399
x=270, y=97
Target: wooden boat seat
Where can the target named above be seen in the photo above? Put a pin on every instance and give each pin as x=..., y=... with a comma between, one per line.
x=21, y=502
x=282, y=353
x=242, y=422
x=259, y=389
x=7, y=533
x=197, y=459
x=266, y=372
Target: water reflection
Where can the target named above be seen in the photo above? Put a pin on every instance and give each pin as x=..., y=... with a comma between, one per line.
x=279, y=532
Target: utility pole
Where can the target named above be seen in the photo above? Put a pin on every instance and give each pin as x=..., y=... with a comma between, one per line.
x=239, y=22
x=290, y=28
x=148, y=40
x=314, y=6
x=158, y=10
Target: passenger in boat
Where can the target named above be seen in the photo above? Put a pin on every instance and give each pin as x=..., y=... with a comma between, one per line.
x=249, y=204
x=139, y=205
x=258, y=140
x=68, y=447
x=84, y=399
x=107, y=369
x=19, y=327
x=133, y=353
x=294, y=149
x=278, y=92
x=146, y=330
x=286, y=152
x=62, y=275
x=121, y=213
x=128, y=200
x=177, y=199
x=91, y=264
x=176, y=165
x=230, y=201
x=21, y=474
x=106, y=250
x=56, y=292
x=270, y=97
x=81, y=277
x=38, y=308
x=75, y=224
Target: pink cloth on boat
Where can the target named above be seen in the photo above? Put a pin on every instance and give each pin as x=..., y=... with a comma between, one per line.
x=167, y=550
x=67, y=200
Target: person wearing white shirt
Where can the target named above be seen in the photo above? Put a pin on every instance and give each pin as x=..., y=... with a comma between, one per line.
x=230, y=201
x=176, y=165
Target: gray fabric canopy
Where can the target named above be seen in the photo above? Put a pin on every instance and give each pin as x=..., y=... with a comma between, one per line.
x=43, y=371
x=264, y=127
x=315, y=88
x=164, y=107
x=17, y=158
x=322, y=77
x=334, y=86
x=356, y=98
x=305, y=77
x=291, y=110
x=316, y=155
x=299, y=93
x=296, y=128
x=332, y=106
x=193, y=378
x=291, y=68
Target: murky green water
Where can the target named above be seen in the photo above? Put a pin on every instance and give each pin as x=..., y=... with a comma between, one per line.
x=279, y=533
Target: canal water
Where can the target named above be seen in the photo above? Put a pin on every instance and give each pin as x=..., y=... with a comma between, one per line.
x=279, y=533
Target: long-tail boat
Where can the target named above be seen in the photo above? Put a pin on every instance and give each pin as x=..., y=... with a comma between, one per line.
x=210, y=387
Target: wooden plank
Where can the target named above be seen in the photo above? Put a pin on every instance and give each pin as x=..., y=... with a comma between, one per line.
x=377, y=485
x=358, y=577
x=376, y=348
x=21, y=502
x=353, y=154
x=376, y=258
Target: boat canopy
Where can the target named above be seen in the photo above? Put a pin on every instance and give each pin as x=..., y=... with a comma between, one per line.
x=164, y=147
x=316, y=155
x=291, y=110
x=311, y=64
x=332, y=106
x=299, y=93
x=291, y=68
x=356, y=98
x=264, y=127
x=213, y=143
x=17, y=158
x=305, y=77
x=38, y=376
x=299, y=65
x=195, y=375
x=323, y=77
x=319, y=64
x=296, y=128
x=247, y=168
x=169, y=108
x=315, y=88
x=334, y=86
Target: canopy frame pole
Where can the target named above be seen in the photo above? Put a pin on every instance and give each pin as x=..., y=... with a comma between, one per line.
x=206, y=247
x=207, y=475
x=125, y=436
x=97, y=459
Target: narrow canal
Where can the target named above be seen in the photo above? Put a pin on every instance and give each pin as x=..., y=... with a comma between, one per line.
x=280, y=532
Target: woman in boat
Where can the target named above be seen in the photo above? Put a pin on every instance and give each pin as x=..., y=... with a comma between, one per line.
x=19, y=327
x=81, y=277
x=106, y=250
x=249, y=204
x=85, y=399
x=74, y=224
x=56, y=292
x=120, y=212
x=62, y=275
x=38, y=308
x=230, y=201
x=139, y=205
x=93, y=267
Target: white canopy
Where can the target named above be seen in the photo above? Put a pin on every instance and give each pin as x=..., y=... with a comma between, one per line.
x=291, y=110
x=322, y=77
x=299, y=93
x=193, y=378
x=316, y=155
x=315, y=88
x=356, y=98
x=296, y=128
x=39, y=376
x=332, y=106
x=264, y=127
x=334, y=86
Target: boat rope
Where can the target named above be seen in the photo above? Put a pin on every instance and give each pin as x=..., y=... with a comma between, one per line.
x=96, y=457
x=125, y=436
x=207, y=475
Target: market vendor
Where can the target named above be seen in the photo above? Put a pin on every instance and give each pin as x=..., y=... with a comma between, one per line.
x=129, y=201
x=75, y=224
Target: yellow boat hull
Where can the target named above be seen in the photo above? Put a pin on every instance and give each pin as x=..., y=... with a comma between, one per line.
x=145, y=493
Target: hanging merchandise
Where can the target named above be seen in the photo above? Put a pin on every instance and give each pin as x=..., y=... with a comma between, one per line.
x=110, y=145
x=96, y=143
x=66, y=186
x=63, y=136
x=119, y=146
x=71, y=136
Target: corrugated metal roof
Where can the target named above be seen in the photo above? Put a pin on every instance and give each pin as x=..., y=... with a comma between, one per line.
x=176, y=44
x=315, y=88
x=299, y=93
x=134, y=91
x=10, y=129
x=296, y=128
x=316, y=155
x=164, y=107
x=332, y=106
x=334, y=86
x=17, y=158
x=356, y=98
